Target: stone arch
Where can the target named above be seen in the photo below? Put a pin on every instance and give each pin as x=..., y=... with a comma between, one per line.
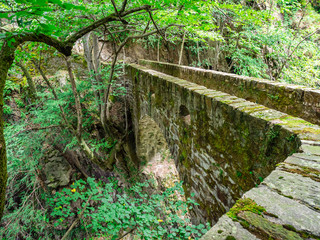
x=153, y=151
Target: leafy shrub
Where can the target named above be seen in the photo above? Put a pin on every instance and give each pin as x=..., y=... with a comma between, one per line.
x=111, y=212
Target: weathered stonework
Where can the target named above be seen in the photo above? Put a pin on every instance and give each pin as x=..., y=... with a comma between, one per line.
x=224, y=146
x=295, y=100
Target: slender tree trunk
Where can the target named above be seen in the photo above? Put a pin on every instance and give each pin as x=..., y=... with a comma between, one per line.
x=76, y=132
x=103, y=163
x=89, y=58
x=198, y=52
x=217, y=53
x=76, y=98
x=64, y=116
x=32, y=88
x=124, y=61
x=158, y=52
x=182, y=46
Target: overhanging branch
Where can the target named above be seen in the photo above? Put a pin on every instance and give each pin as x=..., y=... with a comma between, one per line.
x=65, y=47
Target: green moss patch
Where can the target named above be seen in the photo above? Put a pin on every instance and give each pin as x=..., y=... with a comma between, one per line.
x=267, y=229
x=245, y=204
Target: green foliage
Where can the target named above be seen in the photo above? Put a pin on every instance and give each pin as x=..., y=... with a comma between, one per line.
x=103, y=145
x=110, y=211
x=25, y=214
x=273, y=48
x=266, y=42
x=255, y=43
x=9, y=87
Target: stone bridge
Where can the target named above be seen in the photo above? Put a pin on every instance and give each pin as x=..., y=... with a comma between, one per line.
x=234, y=137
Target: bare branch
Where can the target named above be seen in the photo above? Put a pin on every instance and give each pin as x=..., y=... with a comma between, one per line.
x=64, y=116
x=119, y=238
x=145, y=30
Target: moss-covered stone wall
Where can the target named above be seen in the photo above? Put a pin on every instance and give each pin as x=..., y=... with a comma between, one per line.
x=295, y=100
x=222, y=145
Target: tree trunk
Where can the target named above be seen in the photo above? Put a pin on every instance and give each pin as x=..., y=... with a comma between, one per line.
x=3, y=155
x=76, y=98
x=90, y=62
x=182, y=46
x=158, y=50
x=32, y=88
x=6, y=60
x=198, y=53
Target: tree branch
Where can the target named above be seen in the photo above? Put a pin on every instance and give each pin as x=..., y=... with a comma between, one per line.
x=65, y=47
x=35, y=129
x=124, y=4
x=111, y=18
x=116, y=10
x=63, y=114
x=155, y=24
x=15, y=11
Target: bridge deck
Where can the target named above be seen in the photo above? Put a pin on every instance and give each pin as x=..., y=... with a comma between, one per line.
x=290, y=194
x=296, y=100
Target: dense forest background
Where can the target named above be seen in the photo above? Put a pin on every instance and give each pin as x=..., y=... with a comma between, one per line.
x=69, y=164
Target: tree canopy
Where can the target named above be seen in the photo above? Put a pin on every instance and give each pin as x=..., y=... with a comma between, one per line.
x=273, y=39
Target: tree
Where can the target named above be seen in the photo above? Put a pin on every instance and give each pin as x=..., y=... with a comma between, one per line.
x=25, y=13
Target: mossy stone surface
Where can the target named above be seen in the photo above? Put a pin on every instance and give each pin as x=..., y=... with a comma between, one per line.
x=266, y=228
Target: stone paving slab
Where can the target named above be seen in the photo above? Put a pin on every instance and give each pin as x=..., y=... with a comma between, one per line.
x=225, y=228
x=311, y=149
x=307, y=157
x=303, y=163
x=295, y=186
x=286, y=211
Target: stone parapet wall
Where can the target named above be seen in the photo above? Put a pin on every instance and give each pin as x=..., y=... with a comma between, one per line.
x=290, y=196
x=295, y=100
x=223, y=145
